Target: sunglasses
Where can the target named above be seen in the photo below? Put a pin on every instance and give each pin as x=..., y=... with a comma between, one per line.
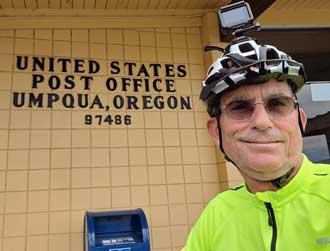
x=278, y=106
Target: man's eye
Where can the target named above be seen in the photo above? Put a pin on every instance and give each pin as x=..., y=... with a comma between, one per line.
x=240, y=105
x=278, y=102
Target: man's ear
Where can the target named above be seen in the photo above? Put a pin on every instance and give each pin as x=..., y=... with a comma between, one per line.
x=213, y=130
x=303, y=118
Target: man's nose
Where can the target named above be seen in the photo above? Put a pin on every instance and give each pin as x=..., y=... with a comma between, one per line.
x=260, y=118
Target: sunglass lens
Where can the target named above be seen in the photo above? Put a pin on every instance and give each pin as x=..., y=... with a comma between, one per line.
x=240, y=109
x=280, y=106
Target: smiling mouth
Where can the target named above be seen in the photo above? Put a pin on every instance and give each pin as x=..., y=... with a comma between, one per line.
x=261, y=142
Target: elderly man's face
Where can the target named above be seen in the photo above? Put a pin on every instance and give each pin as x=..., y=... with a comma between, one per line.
x=262, y=146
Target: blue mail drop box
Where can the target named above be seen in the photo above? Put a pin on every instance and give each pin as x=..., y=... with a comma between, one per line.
x=116, y=231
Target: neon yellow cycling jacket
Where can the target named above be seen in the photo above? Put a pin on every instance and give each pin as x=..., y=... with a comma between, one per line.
x=294, y=218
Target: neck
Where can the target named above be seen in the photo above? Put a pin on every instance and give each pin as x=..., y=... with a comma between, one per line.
x=255, y=186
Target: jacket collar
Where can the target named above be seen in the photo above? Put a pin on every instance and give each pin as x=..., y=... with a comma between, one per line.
x=288, y=192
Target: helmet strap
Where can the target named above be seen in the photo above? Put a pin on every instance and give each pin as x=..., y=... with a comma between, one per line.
x=300, y=122
x=217, y=116
x=278, y=182
x=219, y=135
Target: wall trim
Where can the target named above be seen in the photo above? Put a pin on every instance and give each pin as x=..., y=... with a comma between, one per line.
x=102, y=12
x=44, y=18
x=102, y=22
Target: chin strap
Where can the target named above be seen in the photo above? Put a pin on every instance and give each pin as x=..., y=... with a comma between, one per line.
x=217, y=116
x=300, y=122
x=278, y=183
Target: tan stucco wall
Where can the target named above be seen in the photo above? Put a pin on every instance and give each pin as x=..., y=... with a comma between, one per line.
x=53, y=167
x=296, y=13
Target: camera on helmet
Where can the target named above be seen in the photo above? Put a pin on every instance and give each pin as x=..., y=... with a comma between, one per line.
x=237, y=19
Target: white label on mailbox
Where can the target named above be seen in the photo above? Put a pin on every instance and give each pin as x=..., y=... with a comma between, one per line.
x=120, y=249
x=118, y=240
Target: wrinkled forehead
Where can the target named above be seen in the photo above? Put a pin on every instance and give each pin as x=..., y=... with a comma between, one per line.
x=270, y=88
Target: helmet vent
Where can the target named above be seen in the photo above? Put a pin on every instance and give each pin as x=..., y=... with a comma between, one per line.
x=210, y=70
x=254, y=57
x=272, y=54
x=246, y=47
x=227, y=63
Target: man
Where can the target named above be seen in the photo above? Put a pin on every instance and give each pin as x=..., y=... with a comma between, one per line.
x=258, y=125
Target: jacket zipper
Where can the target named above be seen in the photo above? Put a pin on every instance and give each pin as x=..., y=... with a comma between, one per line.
x=272, y=223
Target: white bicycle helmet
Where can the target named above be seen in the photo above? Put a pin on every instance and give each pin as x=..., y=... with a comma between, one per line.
x=245, y=61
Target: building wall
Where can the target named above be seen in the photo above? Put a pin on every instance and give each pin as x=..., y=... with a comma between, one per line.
x=306, y=13
x=55, y=164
